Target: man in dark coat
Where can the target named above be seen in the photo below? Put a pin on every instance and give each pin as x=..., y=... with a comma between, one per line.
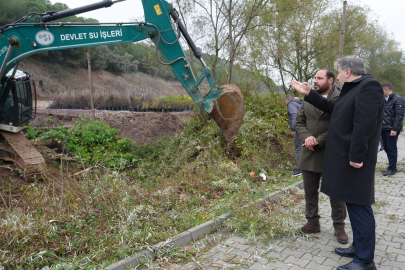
x=351, y=155
x=293, y=105
x=312, y=127
x=391, y=126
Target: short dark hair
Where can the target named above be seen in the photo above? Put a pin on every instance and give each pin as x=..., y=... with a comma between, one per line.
x=329, y=73
x=387, y=85
x=289, y=97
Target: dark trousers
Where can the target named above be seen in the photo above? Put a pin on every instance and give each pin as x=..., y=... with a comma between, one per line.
x=363, y=227
x=311, y=187
x=390, y=147
x=297, y=146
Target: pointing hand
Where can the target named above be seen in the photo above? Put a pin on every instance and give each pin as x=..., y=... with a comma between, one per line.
x=303, y=88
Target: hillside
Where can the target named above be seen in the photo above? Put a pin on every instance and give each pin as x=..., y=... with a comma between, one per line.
x=59, y=79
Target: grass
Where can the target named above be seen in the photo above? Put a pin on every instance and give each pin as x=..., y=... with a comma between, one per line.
x=122, y=99
x=105, y=213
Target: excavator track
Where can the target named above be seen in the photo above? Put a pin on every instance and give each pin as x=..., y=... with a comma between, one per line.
x=16, y=148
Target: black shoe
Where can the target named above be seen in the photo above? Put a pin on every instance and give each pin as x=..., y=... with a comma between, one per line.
x=358, y=266
x=346, y=252
x=296, y=172
x=389, y=172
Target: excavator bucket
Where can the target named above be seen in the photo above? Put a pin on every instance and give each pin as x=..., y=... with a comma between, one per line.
x=228, y=112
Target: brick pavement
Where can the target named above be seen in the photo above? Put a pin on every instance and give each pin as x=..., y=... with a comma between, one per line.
x=317, y=250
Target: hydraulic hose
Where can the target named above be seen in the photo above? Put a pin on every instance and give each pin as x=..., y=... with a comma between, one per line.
x=75, y=11
x=183, y=30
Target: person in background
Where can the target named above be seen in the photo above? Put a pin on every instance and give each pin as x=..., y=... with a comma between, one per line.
x=391, y=126
x=351, y=154
x=293, y=105
x=312, y=126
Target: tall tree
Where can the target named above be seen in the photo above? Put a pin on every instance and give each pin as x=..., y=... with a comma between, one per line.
x=293, y=36
x=301, y=36
x=11, y=11
x=220, y=27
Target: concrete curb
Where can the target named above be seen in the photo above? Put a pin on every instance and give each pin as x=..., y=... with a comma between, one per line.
x=280, y=193
x=193, y=234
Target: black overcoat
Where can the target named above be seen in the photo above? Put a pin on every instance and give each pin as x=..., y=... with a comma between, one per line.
x=353, y=135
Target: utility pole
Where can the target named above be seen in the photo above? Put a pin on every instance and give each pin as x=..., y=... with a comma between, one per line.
x=342, y=30
x=93, y=116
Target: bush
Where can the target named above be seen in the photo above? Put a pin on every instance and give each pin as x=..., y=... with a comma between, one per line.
x=91, y=142
x=125, y=99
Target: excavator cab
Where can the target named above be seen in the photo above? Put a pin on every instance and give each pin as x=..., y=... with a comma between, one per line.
x=16, y=111
x=16, y=101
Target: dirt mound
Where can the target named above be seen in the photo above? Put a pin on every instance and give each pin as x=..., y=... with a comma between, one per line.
x=140, y=127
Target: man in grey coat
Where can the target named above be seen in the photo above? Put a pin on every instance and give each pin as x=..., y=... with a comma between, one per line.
x=312, y=126
x=293, y=105
x=351, y=155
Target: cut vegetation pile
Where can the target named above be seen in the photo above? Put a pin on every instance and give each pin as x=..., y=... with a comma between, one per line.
x=115, y=198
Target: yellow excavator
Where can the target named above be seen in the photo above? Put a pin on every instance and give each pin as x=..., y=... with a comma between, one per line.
x=38, y=32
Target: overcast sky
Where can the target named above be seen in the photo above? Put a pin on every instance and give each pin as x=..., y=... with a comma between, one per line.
x=390, y=13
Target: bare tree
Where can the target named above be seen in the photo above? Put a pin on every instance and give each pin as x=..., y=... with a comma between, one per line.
x=221, y=26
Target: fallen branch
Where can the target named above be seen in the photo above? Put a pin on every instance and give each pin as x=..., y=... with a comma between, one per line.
x=55, y=144
x=85, y=170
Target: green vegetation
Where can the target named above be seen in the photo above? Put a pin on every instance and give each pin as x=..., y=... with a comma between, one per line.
x=124, y=100
x=91, y=143
x=172, y=102
x=109, y=210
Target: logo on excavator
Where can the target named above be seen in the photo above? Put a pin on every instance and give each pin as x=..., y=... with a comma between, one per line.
x=158, y=10
x=44, y=38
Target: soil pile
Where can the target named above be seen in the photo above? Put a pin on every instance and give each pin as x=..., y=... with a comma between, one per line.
x=142, y=128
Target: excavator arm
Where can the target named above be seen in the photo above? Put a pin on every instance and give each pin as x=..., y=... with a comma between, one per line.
x=37, y=32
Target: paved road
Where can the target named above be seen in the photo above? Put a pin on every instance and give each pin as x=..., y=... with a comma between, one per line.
x=317, y=252
x=382, y=157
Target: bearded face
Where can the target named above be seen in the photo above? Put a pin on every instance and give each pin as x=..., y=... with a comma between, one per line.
x=321, y=88
x=321, y=84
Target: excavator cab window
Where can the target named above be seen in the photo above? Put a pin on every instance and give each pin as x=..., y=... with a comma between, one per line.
x=17, y=100
x=24, y=97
